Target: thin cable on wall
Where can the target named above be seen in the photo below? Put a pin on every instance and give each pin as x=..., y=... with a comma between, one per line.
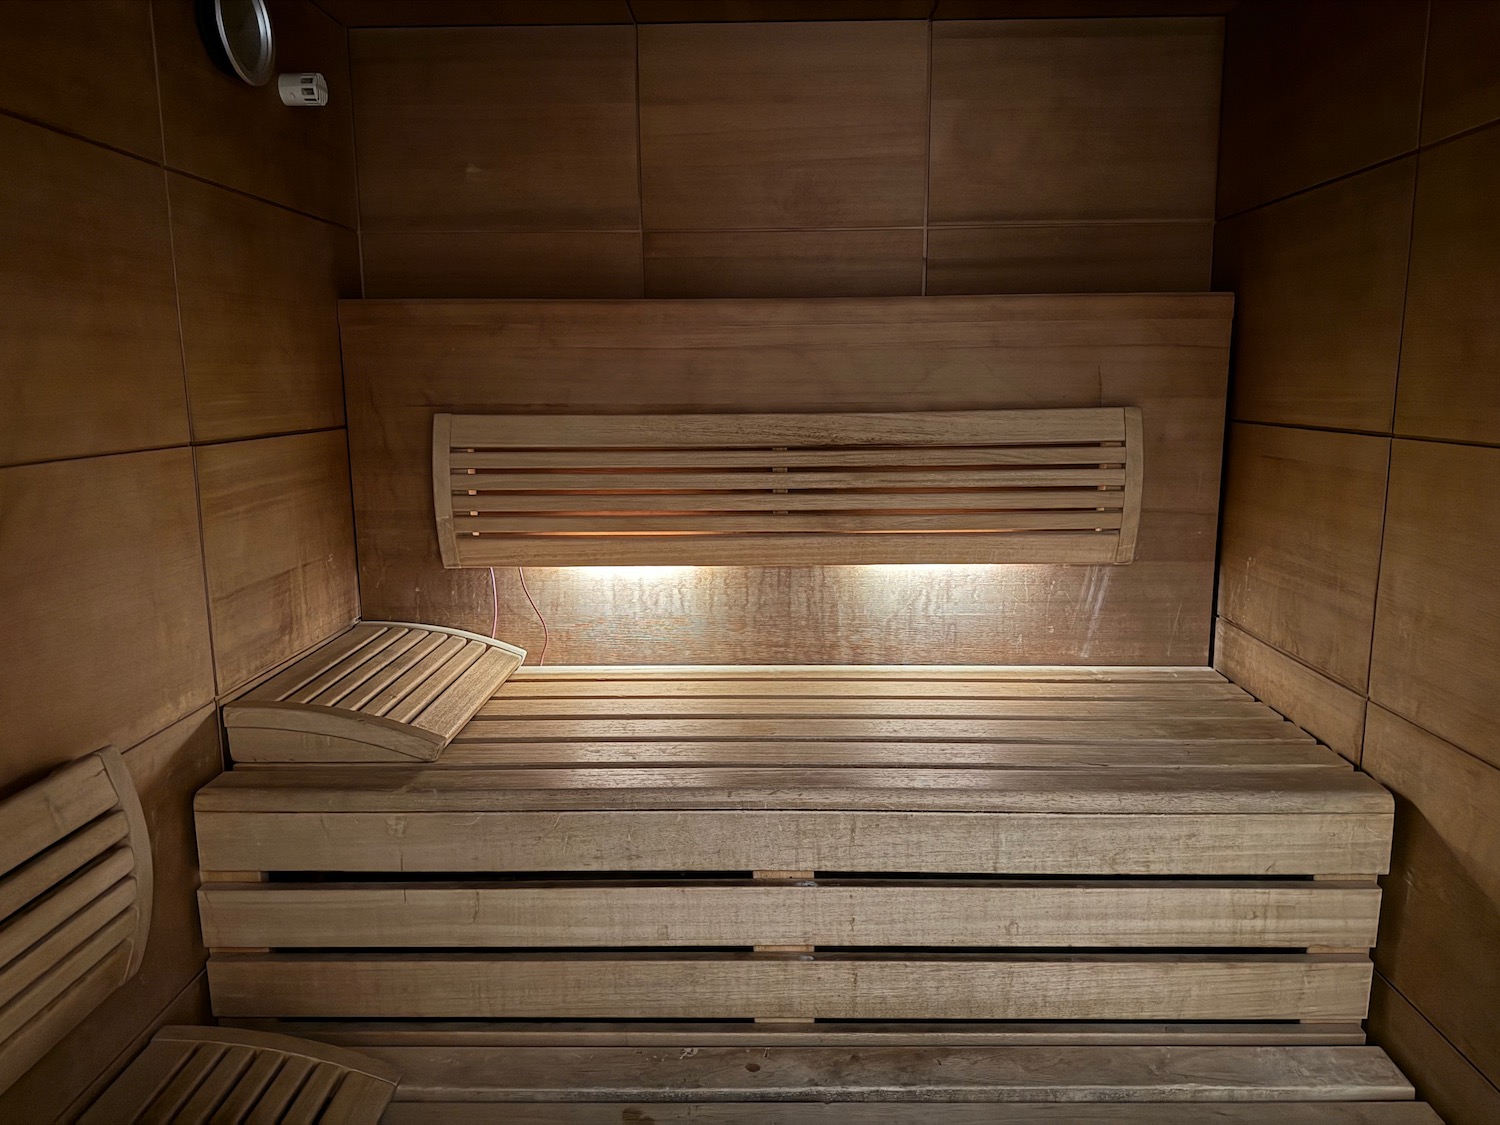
x=546, y=633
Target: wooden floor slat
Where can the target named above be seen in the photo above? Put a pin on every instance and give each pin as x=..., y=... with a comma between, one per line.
x=522, y=686
x=1024, y=673
x=737, y=708
x=868, y=1113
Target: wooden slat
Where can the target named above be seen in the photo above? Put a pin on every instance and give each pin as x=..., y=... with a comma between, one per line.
x=1126, y=710
x=1324, y=987
x=147, y=1075
x=435, y=685
x=915, y=497
x=44, y=813
x=926, y=673
x=168, y=1105
x=247, y=1091
x=925, y=479
x=55, y=864
x=1169, y=843
x=375, y=664
x=413, y=678
x=372, y=688
x=351, y=664
x=65, y=972
x=791, y=686
x=325, y=656
x=281, y=1092
x=975, y=522
x=308, y=1105
x=934, y=913
x=358, y=1100
x=227, y=1072
x=73, y=898
x=69, y=997
x=971, y=456
x=446, y=715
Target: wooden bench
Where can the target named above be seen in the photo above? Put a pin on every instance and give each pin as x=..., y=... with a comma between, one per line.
x=75, y=902
x=381, y=691
x=963, y=486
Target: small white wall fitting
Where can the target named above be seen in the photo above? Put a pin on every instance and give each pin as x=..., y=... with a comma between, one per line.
x=303, y=89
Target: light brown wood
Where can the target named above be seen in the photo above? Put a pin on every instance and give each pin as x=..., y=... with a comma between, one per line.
x=1445, y=884
x=1434, y=660
x=257, y=289
x=1311, y=95
x=785, y=917
x=1328, y=710
x=801, y=263
x=1319, y=283
x=1301, y=545
x=560, y=264
x=1055, y=257
x=313, y=169
x=1460, y=91
x=1075, y=9
x=1026, y=116
x=277, y=540
x=1448, y=343
x=1456, y=1088
x=782, y=126
x=85, y=265
x=488, y=129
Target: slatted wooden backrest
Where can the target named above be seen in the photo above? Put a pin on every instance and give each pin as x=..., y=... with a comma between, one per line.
x=1036, y=486
x=382, y=691
x=75, y=902
x=201, y=1074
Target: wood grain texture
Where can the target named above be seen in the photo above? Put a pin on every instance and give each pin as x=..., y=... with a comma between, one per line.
x=87, y=68
x=1075, y=9
x=167, y=768
x=1454, y=1086
x=962, y=353
x=1462, y=90
x=573, y=265
x=87, y=317
x=1320, y=286
x=706, y=11
x=1142, y=257
x=1317, y=704
x=1312, y=92
x=1451, y=345
x=942, y=1113
x=278, y=546
x=1435, y=661
x=118, y=563
x=1027, y=118
x=802, y=263
x=1301, y=543
x=521, y=129
x=783, y=125
x=313, y=166
x=1443, y=905
x=258, y=293
x=475, y=13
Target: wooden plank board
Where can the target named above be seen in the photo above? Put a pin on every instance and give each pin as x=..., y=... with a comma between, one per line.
x=868, y=1113
x=1115, y=1074
x=931, y=913
x=792, y=686
x=1123, y=710
x=46, y=812
x=1001, y=673
x=1169, y=843
x=1139, y=987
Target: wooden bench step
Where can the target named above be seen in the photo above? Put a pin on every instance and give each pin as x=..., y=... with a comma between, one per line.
x=866, y=1113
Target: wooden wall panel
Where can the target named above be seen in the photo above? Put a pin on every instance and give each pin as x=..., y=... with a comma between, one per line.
x=1462, y=88
x=220, y=129
x=783, y=125
x=1450, y=349
x=259, y=288
x=557, y=264
x=700, y=11
x=496, y=129
x=86, y=67
x=1316, y=90
x=278, y=548
x=1440, y=922
x=1075, y=9
x=1143, y=257
x=1028, y=118
x=101, y=592
x=88, y=327
x=745, y=355
x=1301, y=543
x=1319, y=283
x=803, y=263
x=1443, y=1077
x=167, y=769
x=1435, y=660
x=475, y=13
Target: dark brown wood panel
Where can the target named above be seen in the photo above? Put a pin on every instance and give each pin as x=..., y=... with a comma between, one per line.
x=802, y=263
x=258, y=293
x=1143, y=257
x=557, y=264
x=1319, y=283
x=1435, y=660
x=1450, y=350
x=88, y=324
x=1301, y=543
x=101, y=592
x=403, y=361
x=279, y=550
x=84, y=66
x=223, y=130
x=473, y=13
x=704, y=11
x=1315, y=91
x=1443, y=1077
x=522, y=128
x=1440, y=922
x=1462, y=88
x=1075, y=9
x=783, y=125
x=1029, y=120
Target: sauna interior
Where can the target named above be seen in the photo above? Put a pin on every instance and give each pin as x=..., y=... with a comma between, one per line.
x=792, y=561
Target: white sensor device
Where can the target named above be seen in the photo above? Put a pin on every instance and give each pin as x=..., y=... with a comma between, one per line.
x=303, y=89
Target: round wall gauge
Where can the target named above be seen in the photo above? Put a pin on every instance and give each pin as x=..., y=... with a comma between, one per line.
x=237, y=34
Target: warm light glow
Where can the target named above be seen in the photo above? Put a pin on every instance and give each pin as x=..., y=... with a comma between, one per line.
x=639, y=573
